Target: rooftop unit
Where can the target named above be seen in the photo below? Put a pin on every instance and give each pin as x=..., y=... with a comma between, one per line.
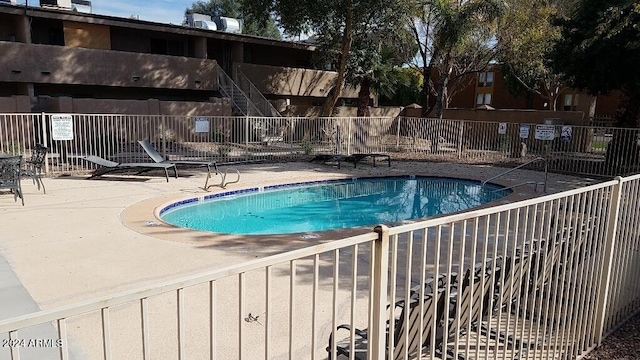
x=205, y=24
x=83, y=6
x=56, y=4
x=229, y=25
x=192, y=18
x=221, y=23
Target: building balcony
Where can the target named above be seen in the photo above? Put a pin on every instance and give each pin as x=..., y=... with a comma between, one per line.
x=48, y=64
x=288, y=81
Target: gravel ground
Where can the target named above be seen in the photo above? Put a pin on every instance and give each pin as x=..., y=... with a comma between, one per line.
x=622, y=344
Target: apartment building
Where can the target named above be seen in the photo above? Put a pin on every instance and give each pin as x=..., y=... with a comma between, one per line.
x=488, y=89
x=56, y=59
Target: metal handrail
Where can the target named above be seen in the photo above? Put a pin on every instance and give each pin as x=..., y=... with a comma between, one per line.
x=255, y=96
x=226, y=82
x=546, y=168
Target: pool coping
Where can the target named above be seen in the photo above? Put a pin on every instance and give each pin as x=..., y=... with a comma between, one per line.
x=143, y=217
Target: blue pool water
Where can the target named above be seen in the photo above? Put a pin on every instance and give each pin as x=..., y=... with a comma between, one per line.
x=318, y=206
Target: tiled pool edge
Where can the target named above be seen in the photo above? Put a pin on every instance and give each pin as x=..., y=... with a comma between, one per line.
x=162, y=209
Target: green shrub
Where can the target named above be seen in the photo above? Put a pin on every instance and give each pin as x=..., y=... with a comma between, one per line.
x=307, y=147
x=224, y=150
x=218, y=136
x=12, y=147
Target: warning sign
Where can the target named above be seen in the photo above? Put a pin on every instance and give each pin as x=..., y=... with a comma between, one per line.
x=62, y=127
x=545, y=132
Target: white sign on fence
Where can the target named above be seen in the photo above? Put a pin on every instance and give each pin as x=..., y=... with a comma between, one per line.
x=502, y=128
x=524, y=131
x=566, y=134
x=545, y=132
x=202, y=124
x=62, y=127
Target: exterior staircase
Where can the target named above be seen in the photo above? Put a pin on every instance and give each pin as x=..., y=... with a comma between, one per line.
x=246, y=101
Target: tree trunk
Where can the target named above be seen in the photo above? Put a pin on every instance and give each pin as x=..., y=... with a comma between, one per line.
x=347, y=37
x=442, y=86
x=426, y=90
x=363, y=97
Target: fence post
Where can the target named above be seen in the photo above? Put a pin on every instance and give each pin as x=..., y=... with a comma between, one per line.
x=45, y=140
x=246, y=137
x=164, y=135
x=349, y=136
x=398, y=134
x=609, y=248
x=377, y=335
x=460, y=139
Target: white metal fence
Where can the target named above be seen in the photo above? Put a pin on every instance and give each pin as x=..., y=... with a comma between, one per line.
x=577, y=149
x=544, y=278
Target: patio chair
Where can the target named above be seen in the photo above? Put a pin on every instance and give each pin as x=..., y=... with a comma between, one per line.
x=10, y=176
x=406, y=339
x=354, y=158
x=107, y=166
x=563, y=253
x=158, y=158
x=33, y=167
x=477, y=290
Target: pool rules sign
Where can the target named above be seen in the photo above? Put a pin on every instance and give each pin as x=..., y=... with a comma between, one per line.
x=62, y=127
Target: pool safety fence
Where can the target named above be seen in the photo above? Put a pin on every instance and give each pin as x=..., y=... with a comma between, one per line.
x=543, y=278
x=587, y=150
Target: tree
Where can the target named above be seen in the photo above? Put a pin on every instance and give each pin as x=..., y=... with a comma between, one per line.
x=233, y=9
x=407, y=90
x=444, y=31
x=526, y=36
x=379, y=48
x=336, y=25
x=599, y=51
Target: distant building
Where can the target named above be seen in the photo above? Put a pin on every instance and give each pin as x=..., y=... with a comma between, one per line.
x=62, y=57
x=488, y=88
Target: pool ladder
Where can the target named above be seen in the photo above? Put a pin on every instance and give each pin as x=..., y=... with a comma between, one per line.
x=536, y=183
x=223, y=183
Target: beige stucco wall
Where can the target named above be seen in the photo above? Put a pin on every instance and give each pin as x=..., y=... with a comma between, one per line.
x=341, y=111
x=517, y=116
x=286, y=81
x=15, y=104
x=508, y=116
x=217, y=107
x=30, y=63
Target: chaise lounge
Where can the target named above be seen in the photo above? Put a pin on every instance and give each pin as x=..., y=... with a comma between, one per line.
x=108, y=166
x=158, y=158
x=353, y=158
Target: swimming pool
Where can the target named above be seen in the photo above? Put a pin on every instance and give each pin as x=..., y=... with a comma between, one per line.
x=326, y=205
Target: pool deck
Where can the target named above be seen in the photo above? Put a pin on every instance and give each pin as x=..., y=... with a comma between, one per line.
x=91, y=238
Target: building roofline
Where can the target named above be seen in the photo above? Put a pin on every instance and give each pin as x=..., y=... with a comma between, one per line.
x=67, y=15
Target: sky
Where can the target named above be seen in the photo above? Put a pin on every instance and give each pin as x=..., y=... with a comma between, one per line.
x=162, y=11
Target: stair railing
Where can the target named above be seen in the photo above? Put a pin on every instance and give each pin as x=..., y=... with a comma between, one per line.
x=255, y=96
x=239, y=99
x=544, y=160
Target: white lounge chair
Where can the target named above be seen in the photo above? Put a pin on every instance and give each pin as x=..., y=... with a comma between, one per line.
x=108, y=166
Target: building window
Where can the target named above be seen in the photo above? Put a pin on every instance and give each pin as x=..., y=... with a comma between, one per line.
x=485, y=79
x=167, y=47
x=483, y=99
x=570, y=102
